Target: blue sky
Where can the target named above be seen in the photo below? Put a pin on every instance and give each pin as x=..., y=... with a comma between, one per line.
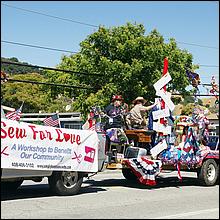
x=190, y=22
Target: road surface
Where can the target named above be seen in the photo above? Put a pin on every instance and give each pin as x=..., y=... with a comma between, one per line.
x=108, y=195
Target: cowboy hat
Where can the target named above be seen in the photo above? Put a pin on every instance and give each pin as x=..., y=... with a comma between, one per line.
x=116, y=97
x=141, y=99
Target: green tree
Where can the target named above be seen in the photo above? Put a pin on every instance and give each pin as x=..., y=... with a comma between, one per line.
x=130, y=61
x=188, y=109
x=191, y=99
x=33, y=95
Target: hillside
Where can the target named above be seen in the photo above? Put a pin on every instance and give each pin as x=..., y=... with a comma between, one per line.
x=12, y=69
x=210, y=101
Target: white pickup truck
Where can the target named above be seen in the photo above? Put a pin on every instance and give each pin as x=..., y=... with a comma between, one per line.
x=61, y=182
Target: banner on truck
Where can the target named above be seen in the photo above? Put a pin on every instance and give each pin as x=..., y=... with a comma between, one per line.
x=37, y=147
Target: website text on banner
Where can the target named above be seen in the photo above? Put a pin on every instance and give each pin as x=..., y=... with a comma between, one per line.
x=37, y=147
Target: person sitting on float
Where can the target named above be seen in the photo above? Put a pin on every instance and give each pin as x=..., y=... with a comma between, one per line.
x=115, y=124
x=136, y=119
x=114, y=111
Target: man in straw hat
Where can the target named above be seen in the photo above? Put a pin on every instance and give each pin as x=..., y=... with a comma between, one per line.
x=136, y=118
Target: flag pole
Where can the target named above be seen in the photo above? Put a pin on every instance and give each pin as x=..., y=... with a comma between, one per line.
x=22, y=105
x=57, y=112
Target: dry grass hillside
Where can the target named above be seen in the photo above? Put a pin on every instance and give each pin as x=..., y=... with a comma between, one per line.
x=178, y=108
x=210, y=101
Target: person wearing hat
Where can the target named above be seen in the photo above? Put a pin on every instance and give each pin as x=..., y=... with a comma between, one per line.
x=136, y=118
x=114, y=111
x=114, y=126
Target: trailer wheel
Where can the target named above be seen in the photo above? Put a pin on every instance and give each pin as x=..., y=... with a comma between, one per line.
x=65, y=183
x=208, y=173
x=128, y=174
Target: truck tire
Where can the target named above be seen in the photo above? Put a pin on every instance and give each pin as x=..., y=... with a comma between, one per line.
x=208, y=173
x=65, y=183
x=11, y=186
x=128, y=174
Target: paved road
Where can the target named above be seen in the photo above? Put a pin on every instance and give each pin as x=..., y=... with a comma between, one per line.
x=108, y=195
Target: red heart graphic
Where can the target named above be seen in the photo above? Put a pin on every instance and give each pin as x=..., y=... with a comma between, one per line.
x=66, y=137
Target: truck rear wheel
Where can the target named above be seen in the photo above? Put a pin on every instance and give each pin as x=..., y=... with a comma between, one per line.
x=208, y=173
x=65, y=183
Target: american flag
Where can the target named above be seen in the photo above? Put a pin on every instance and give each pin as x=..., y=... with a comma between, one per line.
x=15, y=115
x=52, y=121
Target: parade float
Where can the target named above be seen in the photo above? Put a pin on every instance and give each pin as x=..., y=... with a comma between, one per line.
x=179, y=145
